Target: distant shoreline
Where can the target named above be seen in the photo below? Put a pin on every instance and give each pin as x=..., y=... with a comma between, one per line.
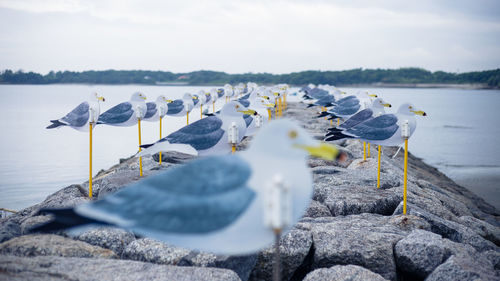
x=466, y=86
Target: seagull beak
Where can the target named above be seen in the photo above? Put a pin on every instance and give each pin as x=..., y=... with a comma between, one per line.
x=372, y=95
x=169, y=101
x=144, y=98
x=276, y=94
x=248, y=112
x=266, y=97
x=323, y=150
x=419, y=112
x=272, y=105
x=101, y=98
x=387, y=104
x=195, y=98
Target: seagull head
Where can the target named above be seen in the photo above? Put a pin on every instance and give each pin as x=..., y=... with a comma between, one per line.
x=410, y=109
x=284, y=138
x=379, y=102
x=138, y=96
x=97, y=97
x=235, y=108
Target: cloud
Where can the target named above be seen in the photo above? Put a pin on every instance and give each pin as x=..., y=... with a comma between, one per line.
x=241, y=36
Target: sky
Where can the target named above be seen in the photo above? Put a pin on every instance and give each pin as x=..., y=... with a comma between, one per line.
x=249, y=36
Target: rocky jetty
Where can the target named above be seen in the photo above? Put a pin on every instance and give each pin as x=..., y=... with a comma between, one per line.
x=351, y=231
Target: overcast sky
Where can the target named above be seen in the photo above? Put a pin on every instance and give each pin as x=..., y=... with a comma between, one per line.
x=249, y=36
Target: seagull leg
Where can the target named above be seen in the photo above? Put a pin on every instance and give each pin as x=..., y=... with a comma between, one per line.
x=276, y=108
x=277, y=256
x=378, y=170
x=368, y=152
x=187, y=117
x=90, y=160
x=213, y=104
x=140, y=158
x=270, y=113
x=201, y=111
x=159, y=155
x=405, y=179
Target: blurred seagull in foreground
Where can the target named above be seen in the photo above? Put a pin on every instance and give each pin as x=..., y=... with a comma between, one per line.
x=216, y=204
x=206, y=136
x=126, y=113
x=80, y=117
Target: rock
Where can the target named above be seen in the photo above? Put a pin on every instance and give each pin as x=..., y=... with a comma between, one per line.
x=350, y=200
x=343, y=273
x=486, y=230
x=149, y=250
x=52, y=245
x=419, y=253
x=69, y=196
x=494, y=258
x=8, y=230
x=70, y=269
x=449, y=229
x=366, y=240
x=111, y=238
x=464, y=267
x=173, y=157
x=31, y=222
x=242, y=265
x=317, y=210
x=295, y=249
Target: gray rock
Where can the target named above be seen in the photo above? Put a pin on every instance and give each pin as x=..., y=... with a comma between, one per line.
x=30, y=222
x=317, y=210
x=486, y=230
x=420, y=253
x=52, y=245
x=464, y=267
x=295, y=246
x=350, y=200
x=366, y=240
x=8, y=230
x=149, y=250
x=494, y=258
x=111, y=238
x=343, y=273
x=242, y=265
x=69, y=196
x=84, y=269
x=449, y=229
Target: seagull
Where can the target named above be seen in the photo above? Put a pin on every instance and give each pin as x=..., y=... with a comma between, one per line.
x=156, y=110
x=181, y=107
x=80, y=117
x=125, y=114
x=207, y=136
x=376, y=109
x=383, y=130
x=219, y=204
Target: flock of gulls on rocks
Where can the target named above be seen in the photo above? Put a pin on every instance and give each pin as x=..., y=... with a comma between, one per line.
x=223, y=202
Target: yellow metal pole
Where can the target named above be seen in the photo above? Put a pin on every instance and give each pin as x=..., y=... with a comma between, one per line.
x=280, y=108
x=276, y=108
x=90, y=160
x=364, y=151
x=233, y=148
x=338, y=122
x=140, y=158
x=405, y=176
x=187, y=117
x=284, y=101
x=159, y=155
x=378, y=170
x=331, y=122
x=324, y=109
x=270, y=113
x=368, y=153
x=213, y=104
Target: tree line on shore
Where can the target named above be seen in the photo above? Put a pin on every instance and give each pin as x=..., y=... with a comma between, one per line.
x=489, y=78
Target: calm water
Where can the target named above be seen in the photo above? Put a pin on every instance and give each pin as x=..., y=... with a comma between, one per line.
x=459, y=136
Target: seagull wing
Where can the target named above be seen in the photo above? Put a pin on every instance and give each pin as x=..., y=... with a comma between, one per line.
x=119, y=113
x=151, y=110
x=201, y=134
x=345, y=110
x=202, y=196
x=379, y=128
x=357, y=118
x=78, y=117
x=248, y=119
x=175, y=107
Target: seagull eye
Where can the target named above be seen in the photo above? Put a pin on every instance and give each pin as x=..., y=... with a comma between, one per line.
x=410, y=107
x=237, y=106
x=292, y=134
